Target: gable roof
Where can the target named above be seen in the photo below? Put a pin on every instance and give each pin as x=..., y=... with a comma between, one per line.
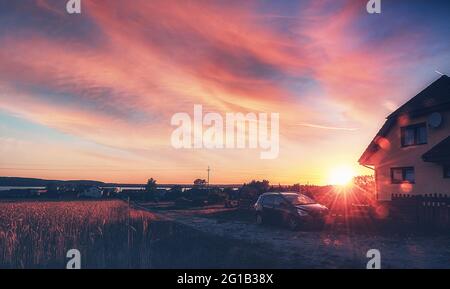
x=434, y=97
x=440, y=153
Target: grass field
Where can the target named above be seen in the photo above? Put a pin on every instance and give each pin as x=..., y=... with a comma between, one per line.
x=39, y=234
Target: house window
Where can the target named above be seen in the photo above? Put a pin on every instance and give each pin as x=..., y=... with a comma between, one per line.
x=414, y=134
x=403, y=175
x=447, y=171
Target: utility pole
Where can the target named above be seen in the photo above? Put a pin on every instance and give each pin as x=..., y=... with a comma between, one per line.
x=208, y=175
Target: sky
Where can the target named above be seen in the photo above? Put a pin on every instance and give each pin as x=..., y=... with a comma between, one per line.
x=91, y=95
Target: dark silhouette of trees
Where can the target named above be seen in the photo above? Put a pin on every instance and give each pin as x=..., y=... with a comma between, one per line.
x=174, y=193
x=150, y=190
x=199, y=183
x=253, y=189
x=295, y=188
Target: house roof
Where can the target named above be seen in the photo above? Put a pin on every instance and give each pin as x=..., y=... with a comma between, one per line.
x=440, y=153
x=433, y=98
x=435, y=95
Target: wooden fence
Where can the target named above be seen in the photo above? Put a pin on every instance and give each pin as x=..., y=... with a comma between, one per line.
x=431, y=210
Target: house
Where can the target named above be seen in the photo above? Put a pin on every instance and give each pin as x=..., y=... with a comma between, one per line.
x=411, y=153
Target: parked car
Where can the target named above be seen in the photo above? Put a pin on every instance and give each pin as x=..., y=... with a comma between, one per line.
x=292, y=209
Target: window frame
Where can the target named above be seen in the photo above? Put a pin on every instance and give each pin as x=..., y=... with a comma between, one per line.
x=403, y=181
x=416, y=128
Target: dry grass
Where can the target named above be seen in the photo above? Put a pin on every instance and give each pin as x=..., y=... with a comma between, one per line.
x=38, y=234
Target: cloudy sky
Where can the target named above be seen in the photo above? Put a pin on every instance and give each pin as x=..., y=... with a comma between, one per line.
x=91, y=96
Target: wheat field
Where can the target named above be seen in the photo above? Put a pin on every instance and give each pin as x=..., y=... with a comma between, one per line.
x=107, y=233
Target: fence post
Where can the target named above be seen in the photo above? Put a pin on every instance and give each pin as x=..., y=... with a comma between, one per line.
x=129, y=234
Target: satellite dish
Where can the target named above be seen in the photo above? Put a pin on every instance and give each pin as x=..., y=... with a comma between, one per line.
x=435, y=120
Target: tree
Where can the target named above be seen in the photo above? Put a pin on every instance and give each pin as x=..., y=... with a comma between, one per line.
x=150, y=190
x=255, y=188
x=365, y=182
x=364, y=187
x=199, y=183
x=296, y=188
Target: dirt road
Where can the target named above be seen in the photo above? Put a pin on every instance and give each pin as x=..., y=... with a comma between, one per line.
x=313, y=249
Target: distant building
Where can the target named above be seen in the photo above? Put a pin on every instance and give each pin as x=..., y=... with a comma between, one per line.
x=411, y=152
x=92, y=192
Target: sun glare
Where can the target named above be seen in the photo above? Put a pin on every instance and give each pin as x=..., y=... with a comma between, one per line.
x=341, y=176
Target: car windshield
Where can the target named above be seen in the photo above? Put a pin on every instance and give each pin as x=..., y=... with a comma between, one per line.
x=299, y=199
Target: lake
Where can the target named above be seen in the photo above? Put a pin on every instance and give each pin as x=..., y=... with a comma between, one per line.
x=6, y=188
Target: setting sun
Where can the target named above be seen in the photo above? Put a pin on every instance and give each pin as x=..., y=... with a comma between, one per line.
x=342, y=175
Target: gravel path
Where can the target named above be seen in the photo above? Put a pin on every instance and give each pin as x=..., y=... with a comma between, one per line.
x=320, y=249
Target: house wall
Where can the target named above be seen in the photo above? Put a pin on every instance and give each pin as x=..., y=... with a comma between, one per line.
x=428, y=176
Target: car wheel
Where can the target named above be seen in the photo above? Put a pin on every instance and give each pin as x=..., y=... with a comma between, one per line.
x=293, y=223
x=259, y=219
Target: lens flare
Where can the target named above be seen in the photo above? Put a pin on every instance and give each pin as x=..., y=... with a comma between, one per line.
x=341, y=176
